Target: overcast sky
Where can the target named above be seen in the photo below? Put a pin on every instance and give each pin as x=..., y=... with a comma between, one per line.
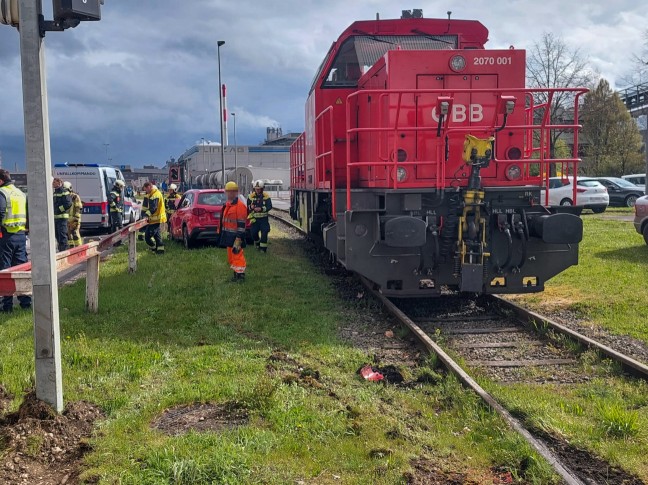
x=144, y=79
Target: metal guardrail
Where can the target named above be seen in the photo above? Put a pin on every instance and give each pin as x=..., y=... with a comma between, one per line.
x=18, y=280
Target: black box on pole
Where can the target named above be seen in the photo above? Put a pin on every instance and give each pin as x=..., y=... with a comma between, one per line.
x=81, y=10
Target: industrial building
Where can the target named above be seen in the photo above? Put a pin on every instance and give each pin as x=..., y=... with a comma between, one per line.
x=268, y=161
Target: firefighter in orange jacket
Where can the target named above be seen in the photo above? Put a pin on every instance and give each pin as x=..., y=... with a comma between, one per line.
x=232, y=230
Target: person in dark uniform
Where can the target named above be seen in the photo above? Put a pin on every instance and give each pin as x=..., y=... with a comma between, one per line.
x=155, y=212
x=259, y=204
x=62, y=205
x=116, y=206
x=13, y=227
x=170, y=202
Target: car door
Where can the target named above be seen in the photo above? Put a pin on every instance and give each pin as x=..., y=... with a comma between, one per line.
x=614, y=191
x=184, y=209
x=558, y=190
x=179, y=217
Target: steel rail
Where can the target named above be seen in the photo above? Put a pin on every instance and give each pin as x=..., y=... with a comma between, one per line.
x=524, y=314
x=540, y=447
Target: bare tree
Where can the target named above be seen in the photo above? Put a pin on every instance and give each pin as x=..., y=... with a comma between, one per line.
x=639, y=71
x=552, y=64
x=611, y=135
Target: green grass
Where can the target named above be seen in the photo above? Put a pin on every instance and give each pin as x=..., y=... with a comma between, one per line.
x=177, y=332
x=607, y=416
x=609, y=287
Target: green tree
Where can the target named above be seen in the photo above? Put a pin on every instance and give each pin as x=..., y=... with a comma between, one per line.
x=612, y=139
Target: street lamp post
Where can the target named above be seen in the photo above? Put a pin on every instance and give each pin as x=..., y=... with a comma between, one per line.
x=220, y=102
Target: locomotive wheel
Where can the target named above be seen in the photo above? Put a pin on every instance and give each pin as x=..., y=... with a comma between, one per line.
x=630, y=200
x=566, y=202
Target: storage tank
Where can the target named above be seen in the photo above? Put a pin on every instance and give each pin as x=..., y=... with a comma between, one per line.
x=242, y=176
x=203, y=181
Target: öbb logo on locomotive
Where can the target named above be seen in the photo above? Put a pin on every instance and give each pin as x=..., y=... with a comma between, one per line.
x=423, y=160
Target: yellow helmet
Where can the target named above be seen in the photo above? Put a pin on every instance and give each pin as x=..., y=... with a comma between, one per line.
x=231, y=186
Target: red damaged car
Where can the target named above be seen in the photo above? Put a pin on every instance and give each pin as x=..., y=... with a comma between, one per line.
x=197, y=217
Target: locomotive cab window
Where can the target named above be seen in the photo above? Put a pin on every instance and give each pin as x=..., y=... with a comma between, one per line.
x=359, y=53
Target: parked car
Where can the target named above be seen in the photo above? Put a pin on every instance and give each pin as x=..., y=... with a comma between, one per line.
x=622, y=193
x=590, y=193
x=197, y=217
x=636, y=178
x=641, y=217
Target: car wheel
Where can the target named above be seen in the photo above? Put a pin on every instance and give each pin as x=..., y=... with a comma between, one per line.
x=186, y=239
x=631, y=200
x=598, y=210
x=566, y=202
x=645, y=233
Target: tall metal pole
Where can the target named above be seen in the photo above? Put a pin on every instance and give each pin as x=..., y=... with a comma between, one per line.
x=235, y=144
x=47, y=343
x=107, y=145
x=220, y=115
x=203, y=153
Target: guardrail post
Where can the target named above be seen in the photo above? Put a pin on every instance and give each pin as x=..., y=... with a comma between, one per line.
x=132, y=252
x=92, y=284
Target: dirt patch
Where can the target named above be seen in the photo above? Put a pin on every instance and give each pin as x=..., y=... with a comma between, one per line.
x=282, y=365
x=5, y=400
x=199, y=417
x=426, y=472
x=587, y=466
x=43, y=448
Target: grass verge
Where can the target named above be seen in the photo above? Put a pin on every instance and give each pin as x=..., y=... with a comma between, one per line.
x=178, y=333
x=609, y=287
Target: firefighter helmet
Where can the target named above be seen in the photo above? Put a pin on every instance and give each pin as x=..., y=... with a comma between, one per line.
x=259, y=184
x=173, y=187
x=67, y=185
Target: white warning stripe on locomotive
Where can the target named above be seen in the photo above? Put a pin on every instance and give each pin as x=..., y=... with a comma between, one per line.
x=461, y=113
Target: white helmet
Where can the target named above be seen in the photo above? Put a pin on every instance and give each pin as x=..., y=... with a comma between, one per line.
x=67, y=185
x=120, y=183
x=259, y=184
x=173, y=187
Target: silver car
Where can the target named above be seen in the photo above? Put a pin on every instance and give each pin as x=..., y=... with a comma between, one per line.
x=641, y=217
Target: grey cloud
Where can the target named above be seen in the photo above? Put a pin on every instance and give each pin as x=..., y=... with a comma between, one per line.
x=145, y=78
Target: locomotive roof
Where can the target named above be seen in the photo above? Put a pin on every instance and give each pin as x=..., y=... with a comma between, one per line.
x=469, y=31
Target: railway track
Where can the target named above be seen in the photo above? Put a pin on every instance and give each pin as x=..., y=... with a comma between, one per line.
x=505, y=342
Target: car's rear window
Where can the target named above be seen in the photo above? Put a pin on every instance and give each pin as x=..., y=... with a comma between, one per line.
x=589, y=183
x=211, y=198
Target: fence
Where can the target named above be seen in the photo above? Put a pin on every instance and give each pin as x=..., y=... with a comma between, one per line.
x=18, y=280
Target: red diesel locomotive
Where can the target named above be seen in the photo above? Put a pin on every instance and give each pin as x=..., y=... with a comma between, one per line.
x=423, y=158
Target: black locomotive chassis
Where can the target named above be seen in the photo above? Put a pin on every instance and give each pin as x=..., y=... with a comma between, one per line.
x=407, y=241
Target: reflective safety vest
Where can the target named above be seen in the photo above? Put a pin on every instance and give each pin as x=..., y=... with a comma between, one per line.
x=155, y=210
x=15, y=219
x=262, y=201
x=233, y=222
x=171, y=202
x=62, y=203
x=115, y=202
x=77, y=207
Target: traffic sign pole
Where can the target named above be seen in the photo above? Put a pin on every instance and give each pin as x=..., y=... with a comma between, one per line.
x=47, y=342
